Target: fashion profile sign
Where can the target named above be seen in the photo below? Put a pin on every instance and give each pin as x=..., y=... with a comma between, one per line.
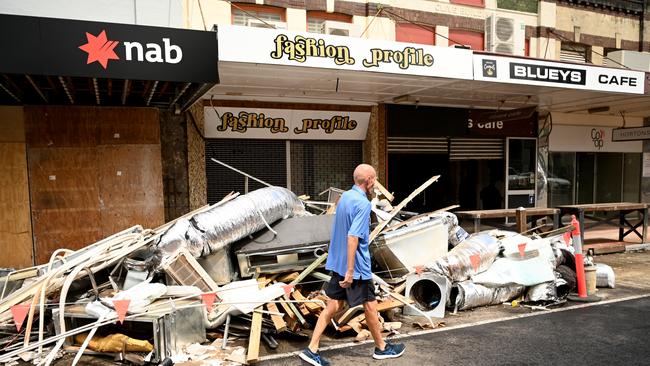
x=285, y=124
x=282, y=47
x=48, y=46
x=557, y=74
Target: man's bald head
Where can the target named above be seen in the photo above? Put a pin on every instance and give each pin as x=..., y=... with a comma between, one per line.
x=364, y=176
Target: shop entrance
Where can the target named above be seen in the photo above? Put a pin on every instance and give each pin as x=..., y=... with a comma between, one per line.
x=471, y=183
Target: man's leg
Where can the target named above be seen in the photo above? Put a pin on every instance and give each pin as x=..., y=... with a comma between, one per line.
x=325, y=317
x=372, y=320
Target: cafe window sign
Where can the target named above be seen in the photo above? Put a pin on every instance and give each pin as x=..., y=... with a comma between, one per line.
x=285, y=124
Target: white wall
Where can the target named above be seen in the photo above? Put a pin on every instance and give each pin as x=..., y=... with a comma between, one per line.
x=164, y=13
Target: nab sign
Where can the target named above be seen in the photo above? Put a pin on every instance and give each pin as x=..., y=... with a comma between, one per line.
x=89, y=49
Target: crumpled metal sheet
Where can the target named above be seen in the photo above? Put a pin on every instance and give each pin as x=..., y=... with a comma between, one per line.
x=546, y=291
x=467, y=295
x=207, y=232
x=457, y=264
x=455, y=232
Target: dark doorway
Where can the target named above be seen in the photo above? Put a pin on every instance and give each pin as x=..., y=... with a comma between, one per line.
x=478, y=184
x=406, y=172
x=473, y=184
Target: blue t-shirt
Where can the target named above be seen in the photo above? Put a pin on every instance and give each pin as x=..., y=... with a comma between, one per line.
x=352, y=219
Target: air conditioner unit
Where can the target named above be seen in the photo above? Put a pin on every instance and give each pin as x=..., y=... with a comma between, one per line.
x=266, y=24
x=340, y=29
x=505, y=35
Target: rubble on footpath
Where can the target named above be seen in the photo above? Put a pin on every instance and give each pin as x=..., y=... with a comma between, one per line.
x=222, y=282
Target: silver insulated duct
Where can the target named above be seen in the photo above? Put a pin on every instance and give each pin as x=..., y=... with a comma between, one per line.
x=474, y=255
x=468, y=295
x=207, y=232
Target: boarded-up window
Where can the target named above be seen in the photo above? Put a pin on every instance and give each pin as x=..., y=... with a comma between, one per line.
x=413, y=33
x=475, y=40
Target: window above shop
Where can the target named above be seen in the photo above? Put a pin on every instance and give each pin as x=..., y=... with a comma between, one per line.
x=414, y=33
x=330, y=23
x=258, y=16
x=575, y=52
x=480, y=3
x=461, y=37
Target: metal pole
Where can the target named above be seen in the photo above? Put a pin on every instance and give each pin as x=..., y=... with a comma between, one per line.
x=240, y=172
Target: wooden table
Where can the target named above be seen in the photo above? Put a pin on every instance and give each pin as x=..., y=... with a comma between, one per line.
x=532, y=214
x=612, y=211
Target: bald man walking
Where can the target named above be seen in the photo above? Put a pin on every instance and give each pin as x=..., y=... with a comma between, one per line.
x=349, y=263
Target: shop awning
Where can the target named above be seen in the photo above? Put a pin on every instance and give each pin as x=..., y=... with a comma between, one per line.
x=60, y=61
x=278, y=65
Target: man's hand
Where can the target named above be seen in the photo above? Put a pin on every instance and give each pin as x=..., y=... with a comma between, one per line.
x=347, y=281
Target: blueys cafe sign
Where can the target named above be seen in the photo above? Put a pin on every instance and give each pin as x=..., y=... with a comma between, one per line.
x=285, y=124
x=557, y=74
x=281, y=47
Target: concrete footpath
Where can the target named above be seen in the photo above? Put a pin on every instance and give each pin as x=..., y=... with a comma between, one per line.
x=632, y=271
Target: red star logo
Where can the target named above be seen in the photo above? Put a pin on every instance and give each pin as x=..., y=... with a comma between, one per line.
x=99, y=49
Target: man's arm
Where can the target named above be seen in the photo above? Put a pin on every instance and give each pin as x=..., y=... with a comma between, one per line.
x=353, y=243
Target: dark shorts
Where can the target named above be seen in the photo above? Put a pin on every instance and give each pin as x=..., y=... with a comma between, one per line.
x=359, y=292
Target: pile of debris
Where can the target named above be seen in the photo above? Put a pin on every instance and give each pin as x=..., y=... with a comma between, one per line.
x=249, y=270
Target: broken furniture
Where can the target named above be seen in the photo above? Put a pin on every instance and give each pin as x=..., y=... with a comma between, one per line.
x=299, y=241
x=615, y=211
x=170, y=326
x=401, y=250
x=532, y=215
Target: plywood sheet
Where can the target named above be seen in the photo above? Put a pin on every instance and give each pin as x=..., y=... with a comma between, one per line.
x=12, y=124
x=64, y=190
x=119, y=126
x=15, y=222
x=55, y=126
x=131, y=188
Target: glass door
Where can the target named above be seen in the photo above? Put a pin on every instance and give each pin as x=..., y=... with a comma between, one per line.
x=521, y=176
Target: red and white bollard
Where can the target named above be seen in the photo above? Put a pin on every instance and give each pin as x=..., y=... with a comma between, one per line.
x=580, y=264
x=576, y=238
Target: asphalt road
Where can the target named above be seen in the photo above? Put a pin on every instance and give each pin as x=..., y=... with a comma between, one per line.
x=606, y=334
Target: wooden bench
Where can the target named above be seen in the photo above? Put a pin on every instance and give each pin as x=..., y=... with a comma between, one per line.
x=612, y=211
x=531, y=214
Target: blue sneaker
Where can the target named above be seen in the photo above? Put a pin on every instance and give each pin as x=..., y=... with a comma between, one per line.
x=313, y=358
x=390, y=351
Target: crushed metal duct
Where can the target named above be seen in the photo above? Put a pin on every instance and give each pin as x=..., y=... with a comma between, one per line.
x=209, y=231
x=457, y=265
x=467, y=295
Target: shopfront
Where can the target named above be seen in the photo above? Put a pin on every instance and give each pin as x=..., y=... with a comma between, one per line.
x=85, y=114
x=434, y=110
x=305, y=150
x=586, y=166
x=486, y=158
